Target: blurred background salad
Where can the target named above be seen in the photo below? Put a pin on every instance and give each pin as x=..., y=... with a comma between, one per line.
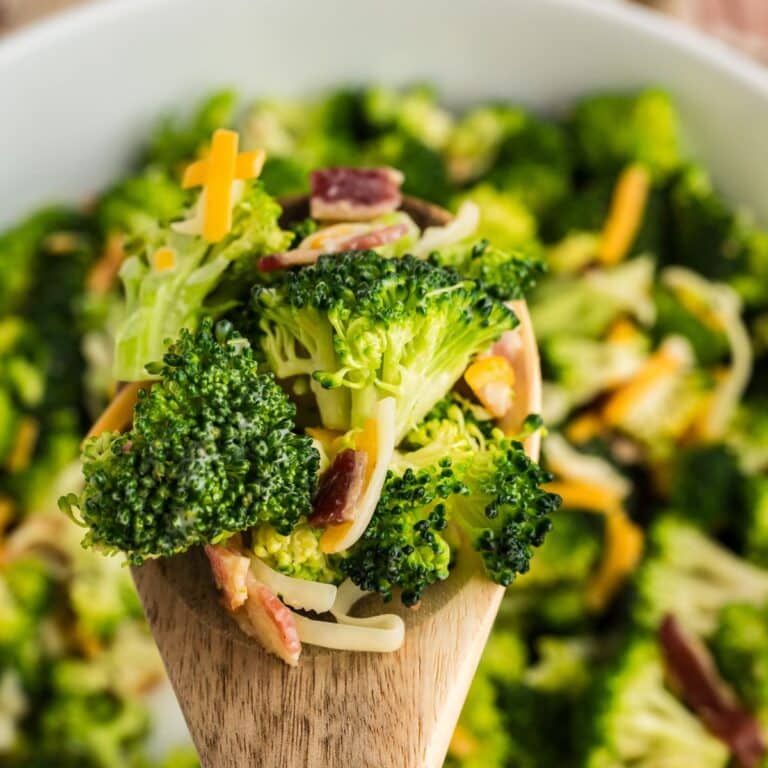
x=653, y=327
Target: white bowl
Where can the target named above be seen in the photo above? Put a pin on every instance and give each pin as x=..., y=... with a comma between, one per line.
x=78, y=91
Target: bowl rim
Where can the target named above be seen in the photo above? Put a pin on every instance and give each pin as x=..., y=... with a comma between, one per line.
x=24, y=43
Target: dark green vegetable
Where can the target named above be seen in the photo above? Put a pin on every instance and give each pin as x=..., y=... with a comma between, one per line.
x=211, y=452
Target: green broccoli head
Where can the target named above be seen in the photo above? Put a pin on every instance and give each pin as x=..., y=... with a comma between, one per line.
x=740, y=647
x=504, y=510
x=364, y=328
x=693, y=578
x=610, y=131
x=205, y=279
x=211, y=452
x=295, y=554
x=498, y=501
x=404, y=544
x=637, y=721
x=503, y=274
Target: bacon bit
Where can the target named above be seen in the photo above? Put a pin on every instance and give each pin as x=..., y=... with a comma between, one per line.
x=103, y=274
x=492, y=379
x=340, y=488
x=692, y=671
x=354, y=194
x=230, y=572
x=375, y=238
x=265, y=618
x=23, y=445
x=300, y=257
x=118, y=415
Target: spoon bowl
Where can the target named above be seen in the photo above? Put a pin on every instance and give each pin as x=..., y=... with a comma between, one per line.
x=244, y=707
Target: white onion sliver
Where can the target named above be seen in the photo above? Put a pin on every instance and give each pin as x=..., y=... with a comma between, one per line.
x=298, y=593
x=464, y=225
x=376, y=634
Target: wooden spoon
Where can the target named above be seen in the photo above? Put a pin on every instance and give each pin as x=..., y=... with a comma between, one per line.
x=338, y=709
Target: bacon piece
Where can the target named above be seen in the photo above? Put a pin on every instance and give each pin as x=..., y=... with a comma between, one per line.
x=299, y=257
x=266, y=619
x=691, y=670
x=340, y=488
x=230, y=572
x=375, y=238
x=354, y=194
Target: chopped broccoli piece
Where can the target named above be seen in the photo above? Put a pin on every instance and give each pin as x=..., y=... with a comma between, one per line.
x=533, y=164
x=740, y=647
x=612, y=130
x=692, y=577
x=160, y=303
x=177, y=141
x=364, y=327
x=503, y=274
x=637, y=721
x=136, y=205
x=709, y=489
x=296, y=554
x=404, y=544
x=504, y=220
x=588, y=304
x=211, y=452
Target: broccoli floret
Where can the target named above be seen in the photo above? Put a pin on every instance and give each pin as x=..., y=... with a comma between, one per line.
x=740, y=647
x=533, y=164
x=211, y=452
x=504, y=220
x=404, y=544
x=756, y=528
x=475, y=140
x=637, y=721
x=176, y=141
x=709, y=489
x=498, y=501
x=503, y=274
x=588, y=304
x=693, y=578
x=139, y=203
x=364, y=327
x=158, y=304
x=296, y=554
x=610, y=131
x=708, y=237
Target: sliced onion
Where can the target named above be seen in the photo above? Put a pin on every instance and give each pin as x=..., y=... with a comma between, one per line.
x=337, y=538
x=298, y=593
x=464, y=225
x=376, y=634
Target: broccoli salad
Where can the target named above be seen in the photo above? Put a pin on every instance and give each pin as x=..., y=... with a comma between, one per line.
x=378, y=361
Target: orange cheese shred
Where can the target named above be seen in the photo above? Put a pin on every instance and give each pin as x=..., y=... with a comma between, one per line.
x=164, y=259
x=24, y=445
x=118, y=415
x=492, y=379
x=625, y=215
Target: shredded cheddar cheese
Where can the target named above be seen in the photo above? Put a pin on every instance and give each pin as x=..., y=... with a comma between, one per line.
x=623, y=543
x=625, y=214
x=217, y=174
x=118, y=415
x=24, y=445
x=665, y=362
x=622, y=552
x=623, y=331
x=492, y=379
x=164, y=259
x=583, y=428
